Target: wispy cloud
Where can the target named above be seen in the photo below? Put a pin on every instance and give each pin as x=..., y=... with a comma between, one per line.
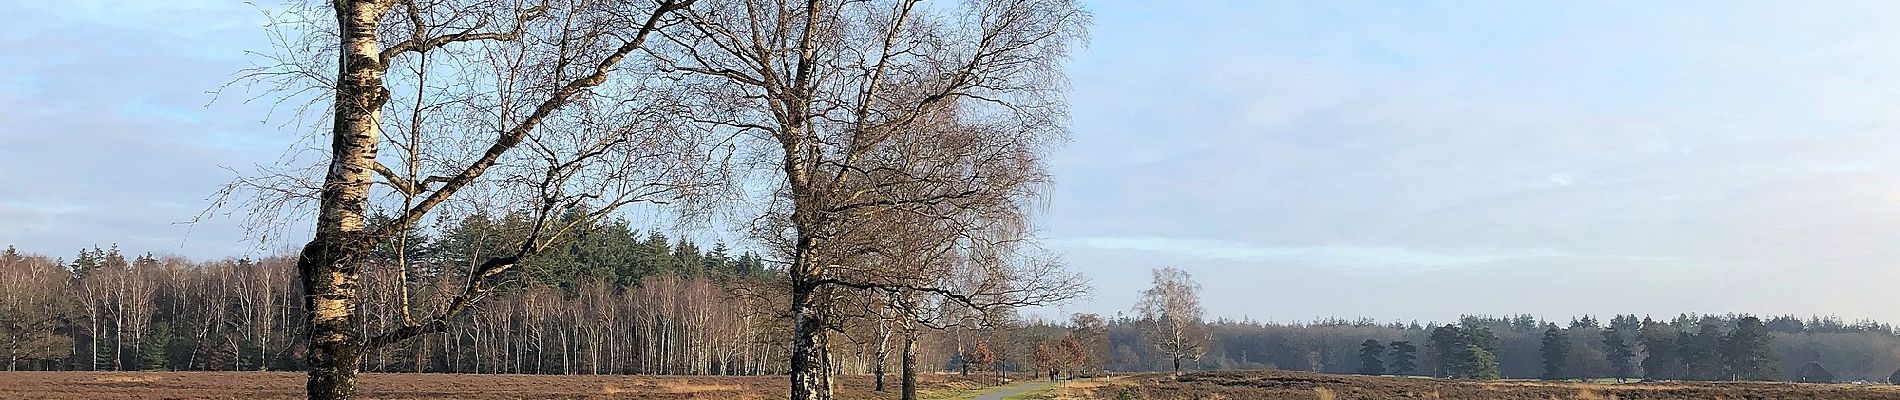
x=1331, y=255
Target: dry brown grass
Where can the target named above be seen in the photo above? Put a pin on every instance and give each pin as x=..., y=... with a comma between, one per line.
x=128, y=379
x=289, y=385
x=1302, y=385
x=1325, y=394
x=1097, y=388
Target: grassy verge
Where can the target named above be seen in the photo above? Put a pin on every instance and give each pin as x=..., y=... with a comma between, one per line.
x=1048, y=393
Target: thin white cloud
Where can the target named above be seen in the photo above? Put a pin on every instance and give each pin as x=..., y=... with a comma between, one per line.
x=1331, y=255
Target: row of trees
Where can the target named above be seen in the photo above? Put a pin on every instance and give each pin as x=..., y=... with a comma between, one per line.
x=1742, y=353
x=660, y=309
x=1168, y=330
x=1403, y=358
x=887, y=154
x=1717, y=349
x=1465, y=352
x=606, y=301
x=104, y=312
x=1685, y=347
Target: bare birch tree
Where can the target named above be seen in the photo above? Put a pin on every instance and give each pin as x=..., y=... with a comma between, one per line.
x=29, y=310
x=525, y=103
x=877, y=108
x=1171, y=315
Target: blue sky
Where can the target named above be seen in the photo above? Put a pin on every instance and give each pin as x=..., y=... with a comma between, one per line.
x=1395, y=160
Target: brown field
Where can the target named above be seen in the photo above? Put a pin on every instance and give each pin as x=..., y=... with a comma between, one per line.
x=1238, y=385
x=289, y=385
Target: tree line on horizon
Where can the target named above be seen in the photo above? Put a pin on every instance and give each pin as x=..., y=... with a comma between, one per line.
x=617, y=302
x=1709, y=354
x=1168, y=329
x=607, y=299
x=610, y=301
x=1684, y=347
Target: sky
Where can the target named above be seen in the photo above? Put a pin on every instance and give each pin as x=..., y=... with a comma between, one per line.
x=1404, y=160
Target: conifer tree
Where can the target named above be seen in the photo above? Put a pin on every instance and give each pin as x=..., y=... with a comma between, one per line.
x=1621, y=356
x=1661, y=360
x=1447, y=345
x=1369, y=362
x=1747, y=351
x=1404, y=358
x=1701, y=351
x=1480, y=363
x=1556, y=351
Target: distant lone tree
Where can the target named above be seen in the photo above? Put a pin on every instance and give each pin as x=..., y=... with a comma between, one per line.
x=1556, y=351
x=1369, y=362
x=1171, y=316
x=1814, y=373
x=1404, y=358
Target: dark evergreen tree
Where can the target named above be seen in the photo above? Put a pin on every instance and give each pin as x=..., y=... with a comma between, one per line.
x=87, y=261
x=1584, y=322
x=1447, y=345
x=112, y=258
x=1661, y=360
x=1747, y=351
x=1369, y=362
x=750, y=265
x=1524, y=323
x=612, y=252
x=717, y=261
x=687, y=260
x=1556, y=351
x=1618, y=352
x=1479, y=363
x=1484, y=338
x=1701, y=352
x=1627, y=324
x=1404, y=358
x=1468, y=352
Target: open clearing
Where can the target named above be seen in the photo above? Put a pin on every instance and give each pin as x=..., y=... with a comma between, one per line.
x=1302, y=385
x=1225, y=385
x=289, y=385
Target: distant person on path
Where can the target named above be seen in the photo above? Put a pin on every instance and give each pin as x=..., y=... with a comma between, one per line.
x=1052, y=374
